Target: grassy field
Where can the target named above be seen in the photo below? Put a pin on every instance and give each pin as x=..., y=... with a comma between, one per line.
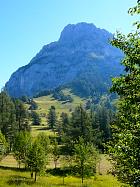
x=39, y=129
x=45, y=102
x=10, y=177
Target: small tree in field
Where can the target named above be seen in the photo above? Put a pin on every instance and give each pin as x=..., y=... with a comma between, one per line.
x=55, y=152
x=21, y=147
x=36, y=158
x=85, y=159
x=44, y=141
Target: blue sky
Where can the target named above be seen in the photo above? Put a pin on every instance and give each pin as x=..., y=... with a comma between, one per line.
x=27, y=25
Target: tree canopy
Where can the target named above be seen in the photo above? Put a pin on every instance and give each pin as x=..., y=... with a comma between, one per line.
x=125, y=149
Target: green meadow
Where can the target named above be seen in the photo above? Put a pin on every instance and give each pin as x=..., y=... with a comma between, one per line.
x=11, y=175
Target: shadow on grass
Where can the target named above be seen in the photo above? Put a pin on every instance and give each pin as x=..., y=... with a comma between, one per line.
x=70, y=185
x=12, y=168
x=18, y=180
x=59, y=172
x=42, y=129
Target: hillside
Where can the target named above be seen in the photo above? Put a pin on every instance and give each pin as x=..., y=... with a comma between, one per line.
x=82, y=59
x=45, y=102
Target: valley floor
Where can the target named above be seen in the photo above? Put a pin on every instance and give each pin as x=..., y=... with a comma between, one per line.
x=10, y=175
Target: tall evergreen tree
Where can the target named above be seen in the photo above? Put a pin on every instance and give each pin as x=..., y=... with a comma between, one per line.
x=7, y=117
x=36, y=120
x=97, y=133
x=64, y=118
x=63, y=124
x=104, y=117
x=22, y=116
x=80, y=126
x=52, y=118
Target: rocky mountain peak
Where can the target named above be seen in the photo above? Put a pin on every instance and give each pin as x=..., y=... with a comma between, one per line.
x=84, y=31
x=83, y=53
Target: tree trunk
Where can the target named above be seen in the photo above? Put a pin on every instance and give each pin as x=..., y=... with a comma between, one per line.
x=19, y=165
x=55, y=164
x=35, y=176
x=82, y=174
x=82, y=179
x=32, y=174
x=63, y=179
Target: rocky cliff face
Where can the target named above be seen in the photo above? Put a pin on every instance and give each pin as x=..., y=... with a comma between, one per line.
x=82, y=52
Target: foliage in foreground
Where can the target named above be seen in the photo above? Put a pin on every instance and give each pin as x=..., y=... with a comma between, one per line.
x=125, y=148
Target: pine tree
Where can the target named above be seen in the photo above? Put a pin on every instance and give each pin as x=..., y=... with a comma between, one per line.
x=52, y=118
x=80, y=126
x=22, y=116
x=8, y=124
x=103, y=115
x=36, y=120
x=64, y=121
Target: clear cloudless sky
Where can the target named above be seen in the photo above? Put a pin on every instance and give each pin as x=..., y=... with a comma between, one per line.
x=27, y=25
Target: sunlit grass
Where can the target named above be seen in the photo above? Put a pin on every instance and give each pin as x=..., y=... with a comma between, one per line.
x=45, y=102
x=9, y=161
x=17, y=178
x=13, y=177
x=35, y=130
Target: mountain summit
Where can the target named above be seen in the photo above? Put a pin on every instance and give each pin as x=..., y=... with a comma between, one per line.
x=82, y=59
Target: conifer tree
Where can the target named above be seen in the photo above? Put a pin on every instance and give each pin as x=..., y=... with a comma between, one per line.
x=22, y=116
x=52, y=118
x=36, y=120
x=8, y=124
x=80, y=126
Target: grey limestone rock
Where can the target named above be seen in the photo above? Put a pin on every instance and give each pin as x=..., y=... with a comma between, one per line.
x=82, y=49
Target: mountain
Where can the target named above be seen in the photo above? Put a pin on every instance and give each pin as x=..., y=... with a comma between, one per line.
x=81, y=59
